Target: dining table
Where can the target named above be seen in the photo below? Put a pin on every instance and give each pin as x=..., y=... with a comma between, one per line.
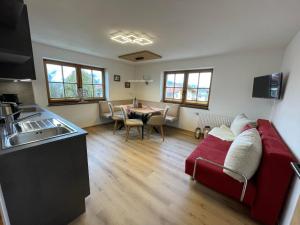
x=143, y=113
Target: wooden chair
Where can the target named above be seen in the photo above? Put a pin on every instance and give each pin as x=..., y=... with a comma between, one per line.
x=173, y=113
x=104, y=110
x=117, y=117
x=129, y=123
x=159, y=121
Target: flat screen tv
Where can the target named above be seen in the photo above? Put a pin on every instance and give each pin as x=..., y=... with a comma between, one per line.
x=268, y=86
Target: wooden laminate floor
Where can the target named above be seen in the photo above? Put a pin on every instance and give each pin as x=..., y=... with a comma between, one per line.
x=143, y=183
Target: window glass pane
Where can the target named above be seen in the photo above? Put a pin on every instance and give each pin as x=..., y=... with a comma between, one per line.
x=86, y=76
x=191, y=94
x=56, y=90
x=193, y=80
x=179, y=79
x=89, y=90
x=69, y=74
x=97, y=77
x=71, y=90
x=98, y=91
x=178, y=93
x=204, y=81
x=169, y=92
x=203, y=95
x=54, y=73
x=170, y=80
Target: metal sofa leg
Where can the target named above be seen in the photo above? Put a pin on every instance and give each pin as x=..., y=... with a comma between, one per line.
x=221, y=166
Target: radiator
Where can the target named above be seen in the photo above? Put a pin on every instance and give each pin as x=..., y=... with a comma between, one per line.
x=213, y=120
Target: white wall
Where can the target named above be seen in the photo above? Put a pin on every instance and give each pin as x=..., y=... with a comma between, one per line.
x=231, y=90
x=231, y=85
x=286, y=116
x=87, y=114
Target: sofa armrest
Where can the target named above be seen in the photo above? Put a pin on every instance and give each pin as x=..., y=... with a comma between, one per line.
x=273, y=181
x=226, y=168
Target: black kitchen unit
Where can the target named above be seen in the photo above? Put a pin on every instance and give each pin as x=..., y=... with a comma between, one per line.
x=44, y=182
x=16, y=57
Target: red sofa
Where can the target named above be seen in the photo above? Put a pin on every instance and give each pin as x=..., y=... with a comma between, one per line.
x=266, y=190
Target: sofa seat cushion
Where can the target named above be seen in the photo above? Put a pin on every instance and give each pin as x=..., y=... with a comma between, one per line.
x=170, y=119
x=215, y=149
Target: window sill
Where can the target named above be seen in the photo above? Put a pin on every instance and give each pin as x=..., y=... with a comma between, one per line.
x=186, y=105
x=74, y=103
x=194, y=106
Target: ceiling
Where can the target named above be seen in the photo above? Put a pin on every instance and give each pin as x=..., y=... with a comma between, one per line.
x=180, y=28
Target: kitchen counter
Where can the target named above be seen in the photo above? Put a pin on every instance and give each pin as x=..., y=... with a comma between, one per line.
x=45, y=182
x=45, y=114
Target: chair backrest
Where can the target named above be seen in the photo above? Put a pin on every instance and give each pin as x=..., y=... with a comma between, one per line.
x=111, y=108
x=165, y=112
x=103, y=108
x=173, y=110
x=124, y=111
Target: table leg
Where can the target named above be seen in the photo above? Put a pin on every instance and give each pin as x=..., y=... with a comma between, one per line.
x=143, y=132
x=155, y=129
x=121, y=126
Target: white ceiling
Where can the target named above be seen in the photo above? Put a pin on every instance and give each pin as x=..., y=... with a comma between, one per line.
x=181, y=28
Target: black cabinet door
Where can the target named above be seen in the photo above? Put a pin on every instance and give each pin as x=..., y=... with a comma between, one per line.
x=16, y=57
x=10, y=11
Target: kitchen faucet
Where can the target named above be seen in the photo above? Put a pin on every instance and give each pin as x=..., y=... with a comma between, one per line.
x=9, y=126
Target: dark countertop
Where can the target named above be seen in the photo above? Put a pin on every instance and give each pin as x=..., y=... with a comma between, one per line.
x=45, y=114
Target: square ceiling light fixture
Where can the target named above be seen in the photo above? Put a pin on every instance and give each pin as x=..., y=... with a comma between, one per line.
x=133, y=38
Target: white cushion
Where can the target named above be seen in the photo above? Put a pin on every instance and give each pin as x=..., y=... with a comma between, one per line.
x=117, y=117
x=244, y=155
x=224, y=133
x=134, y=122
x=106, y=115
x=171, y=118
x=239, y=122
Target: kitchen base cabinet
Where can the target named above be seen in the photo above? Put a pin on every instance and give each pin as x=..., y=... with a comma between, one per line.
x=46, y=184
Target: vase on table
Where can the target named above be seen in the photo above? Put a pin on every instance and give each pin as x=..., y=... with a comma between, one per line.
x=206, y=130
x=135, y=103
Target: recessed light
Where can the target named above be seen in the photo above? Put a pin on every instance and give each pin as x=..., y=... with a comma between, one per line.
x=120, y=38
x=133, y=38
x=144, y=41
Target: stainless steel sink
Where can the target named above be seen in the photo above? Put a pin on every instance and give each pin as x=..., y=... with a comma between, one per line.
x=33, y=131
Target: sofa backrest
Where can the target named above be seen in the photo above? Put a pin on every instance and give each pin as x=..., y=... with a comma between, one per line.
x=274, y=175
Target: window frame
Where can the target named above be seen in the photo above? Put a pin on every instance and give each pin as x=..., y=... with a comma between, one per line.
x=78, y=67
x=184, y=102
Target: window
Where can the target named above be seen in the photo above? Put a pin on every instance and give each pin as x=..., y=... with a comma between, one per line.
x=189, y=88
x=64, y=79
x=92, y=81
